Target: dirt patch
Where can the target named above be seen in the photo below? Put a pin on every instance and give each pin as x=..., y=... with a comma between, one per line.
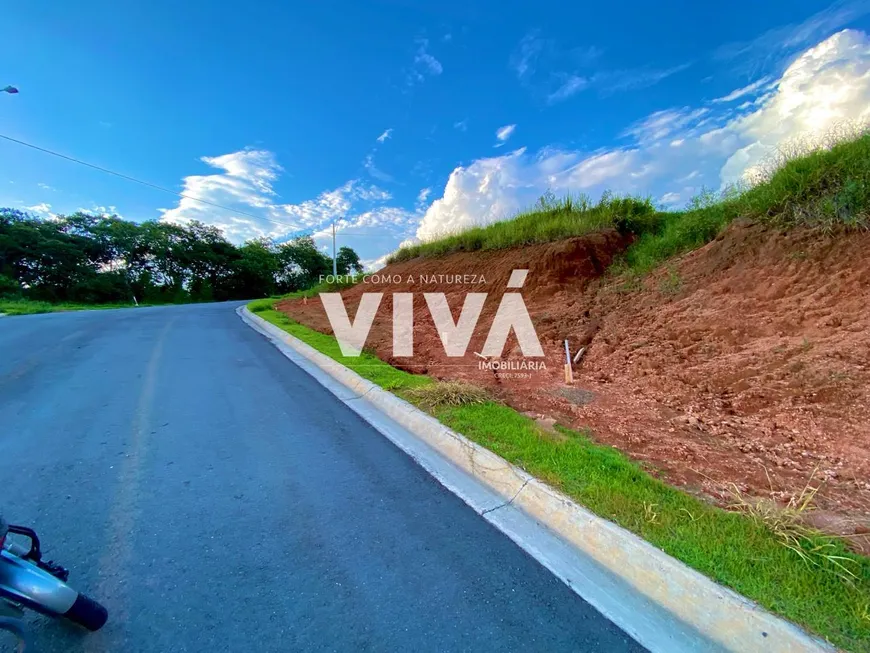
x=746, y=362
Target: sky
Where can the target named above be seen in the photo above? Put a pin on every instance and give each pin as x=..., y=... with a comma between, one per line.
x=404, y=120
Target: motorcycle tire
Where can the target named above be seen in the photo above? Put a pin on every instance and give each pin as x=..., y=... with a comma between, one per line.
x=87, y=613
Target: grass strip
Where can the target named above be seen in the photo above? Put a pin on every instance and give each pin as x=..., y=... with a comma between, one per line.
x=729, y=547
x=31, y=307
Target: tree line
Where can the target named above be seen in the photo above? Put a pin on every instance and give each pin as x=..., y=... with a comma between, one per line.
x=94, y=259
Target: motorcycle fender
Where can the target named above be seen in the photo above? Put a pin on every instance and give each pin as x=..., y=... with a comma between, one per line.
x=37, y=589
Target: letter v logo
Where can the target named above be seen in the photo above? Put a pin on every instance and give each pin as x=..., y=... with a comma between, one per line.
x=351, y=337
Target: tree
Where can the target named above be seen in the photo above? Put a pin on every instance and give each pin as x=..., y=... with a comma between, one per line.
x=302, y=264
x=103, y=258
x=256, y=269
x=347, y=262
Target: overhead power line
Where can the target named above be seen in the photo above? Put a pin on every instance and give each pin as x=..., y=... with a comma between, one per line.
x=161, y=188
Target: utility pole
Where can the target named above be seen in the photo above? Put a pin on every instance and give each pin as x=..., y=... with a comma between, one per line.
x=334, y=260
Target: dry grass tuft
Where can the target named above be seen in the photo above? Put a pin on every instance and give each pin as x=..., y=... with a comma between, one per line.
x=448, y=393
x=788, y=525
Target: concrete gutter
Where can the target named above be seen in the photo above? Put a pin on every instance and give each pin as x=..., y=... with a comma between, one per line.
x=656, y=599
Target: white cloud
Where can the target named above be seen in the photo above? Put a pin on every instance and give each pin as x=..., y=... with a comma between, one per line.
x=244, y=184
x=741, y=92
x=374, y=171
x=45, y=187
x=424, y=61
x=104, y=211
x=673, y=152
x=374, y=230
x=572, y=84
x=43, y=209
x=826, y=86
x=661, y=124
x=383, y=137
x=523, y=59
x=767, y=50
x=486, y=191
x=613, y=81
x=555, y=73
x=504, y=133
x=423, y=195
x=670, y=199
x=373, y=265
x=461, y=125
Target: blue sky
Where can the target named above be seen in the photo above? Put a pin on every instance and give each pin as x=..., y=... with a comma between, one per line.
x=406, y=119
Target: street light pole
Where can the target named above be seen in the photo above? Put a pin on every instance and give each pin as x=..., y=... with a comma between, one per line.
x=334, y=260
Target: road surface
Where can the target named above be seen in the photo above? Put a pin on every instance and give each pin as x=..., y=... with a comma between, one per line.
x=216, y=498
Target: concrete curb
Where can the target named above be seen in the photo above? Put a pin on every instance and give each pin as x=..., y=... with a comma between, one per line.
x=726, y=620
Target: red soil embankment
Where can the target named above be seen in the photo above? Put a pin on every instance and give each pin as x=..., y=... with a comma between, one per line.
x=745, y=362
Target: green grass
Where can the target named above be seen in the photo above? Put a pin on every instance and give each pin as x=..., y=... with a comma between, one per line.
x=30, y=307
x=826, y=189
x=730, y=547
x=551, y=219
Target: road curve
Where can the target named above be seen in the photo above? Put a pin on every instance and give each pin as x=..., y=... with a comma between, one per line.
x=216, y=498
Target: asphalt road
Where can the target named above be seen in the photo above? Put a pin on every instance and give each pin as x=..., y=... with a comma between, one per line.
x=216, y=498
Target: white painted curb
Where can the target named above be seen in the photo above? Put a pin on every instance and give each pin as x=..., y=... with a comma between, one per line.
x=726, y=620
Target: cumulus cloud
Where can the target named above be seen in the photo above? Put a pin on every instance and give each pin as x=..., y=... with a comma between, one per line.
x=374, y=230
x=486, y=191
x=672, y=153
x=423, y=195
x=243, y=184
x=383, y=137
x=43, y=210
x=824, y=87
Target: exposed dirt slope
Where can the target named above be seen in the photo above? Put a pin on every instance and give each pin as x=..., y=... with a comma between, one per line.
x=745, y=362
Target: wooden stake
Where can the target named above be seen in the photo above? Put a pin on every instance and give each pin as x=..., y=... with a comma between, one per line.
x=569, y=373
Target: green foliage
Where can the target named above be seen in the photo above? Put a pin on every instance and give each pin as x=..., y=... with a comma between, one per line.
x=88, y=259
x=304, y=263
x=9, y=287
x=734, y=549
x=550, y=219
x=347, y=262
